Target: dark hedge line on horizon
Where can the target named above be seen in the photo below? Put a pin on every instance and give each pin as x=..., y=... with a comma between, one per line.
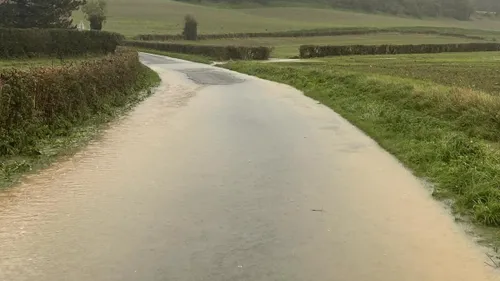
x=459, y=33
x=215, y=52
x=313, y=51
x=60, y=43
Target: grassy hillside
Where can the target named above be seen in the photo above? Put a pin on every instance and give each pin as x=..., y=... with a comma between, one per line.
x=132, y=17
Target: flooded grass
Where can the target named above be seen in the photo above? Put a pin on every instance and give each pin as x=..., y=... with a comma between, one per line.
x=437, y=113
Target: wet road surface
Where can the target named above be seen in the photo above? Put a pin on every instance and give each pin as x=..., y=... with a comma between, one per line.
x=220, y=176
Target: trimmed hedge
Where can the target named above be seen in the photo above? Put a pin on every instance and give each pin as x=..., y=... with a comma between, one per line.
x=216, y=52
x=48, y=101
x=319, y=32
x=16, y=43
x=312, y=51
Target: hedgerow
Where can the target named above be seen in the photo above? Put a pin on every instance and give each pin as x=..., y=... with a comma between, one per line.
x=216, y=52
x=40, y=103
x=311, y=51
x=454, y=32
x=18, y=43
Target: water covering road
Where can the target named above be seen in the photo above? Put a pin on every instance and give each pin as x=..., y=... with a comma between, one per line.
x=221, y=176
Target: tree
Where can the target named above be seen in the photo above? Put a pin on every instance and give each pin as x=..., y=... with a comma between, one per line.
x=496, y=9
x=38, y=13
x=95, y=13
x=190, y=28
x=463, y=9
x=459, y=9
x=6, y=13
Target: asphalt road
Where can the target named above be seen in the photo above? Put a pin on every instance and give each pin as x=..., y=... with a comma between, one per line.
x=221, y=176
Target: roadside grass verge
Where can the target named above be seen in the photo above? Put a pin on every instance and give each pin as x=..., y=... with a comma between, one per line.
x=447, y=135
x=69, y=133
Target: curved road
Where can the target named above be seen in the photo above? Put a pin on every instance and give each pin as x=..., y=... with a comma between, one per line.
x=222, y=176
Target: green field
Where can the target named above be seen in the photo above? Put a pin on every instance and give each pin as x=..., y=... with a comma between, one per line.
x=285, y=47
x=438, y=113
x=132, y=17
x=476, y=71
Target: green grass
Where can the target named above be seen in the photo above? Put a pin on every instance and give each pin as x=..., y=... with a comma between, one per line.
x=285, y=47
x=132, y=17
x=476, y=71
x=188, y=57
x=448, y=135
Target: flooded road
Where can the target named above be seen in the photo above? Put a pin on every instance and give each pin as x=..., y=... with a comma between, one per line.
x=221, y=176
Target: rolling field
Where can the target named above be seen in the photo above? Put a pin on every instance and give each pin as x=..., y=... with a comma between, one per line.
x=285, y=47
x=475, y=71
x=132, y=17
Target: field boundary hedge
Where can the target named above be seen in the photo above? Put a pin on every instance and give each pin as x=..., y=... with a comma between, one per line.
x=18, y=43
x=319, y=32
x=215, y=52
x=43, y=102
x=313, y=51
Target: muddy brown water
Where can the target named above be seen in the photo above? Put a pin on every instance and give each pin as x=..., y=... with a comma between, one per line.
x=221, y=176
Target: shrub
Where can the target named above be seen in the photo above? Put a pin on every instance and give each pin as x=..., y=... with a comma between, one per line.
x=215, y=52
x=47, y=101
x=15, y=43
x=95, y=13
x=190, y=28
x=311, y=51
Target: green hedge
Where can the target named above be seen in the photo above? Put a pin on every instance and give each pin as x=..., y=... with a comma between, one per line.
x=311, y=51
x=15, y=43
x=460, y=33
x=48, y=101
x=216, y=52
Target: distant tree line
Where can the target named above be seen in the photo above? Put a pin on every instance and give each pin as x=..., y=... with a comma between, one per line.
x=488, y=5
x=38, y=13
x=50, y=13
x=458, y=9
